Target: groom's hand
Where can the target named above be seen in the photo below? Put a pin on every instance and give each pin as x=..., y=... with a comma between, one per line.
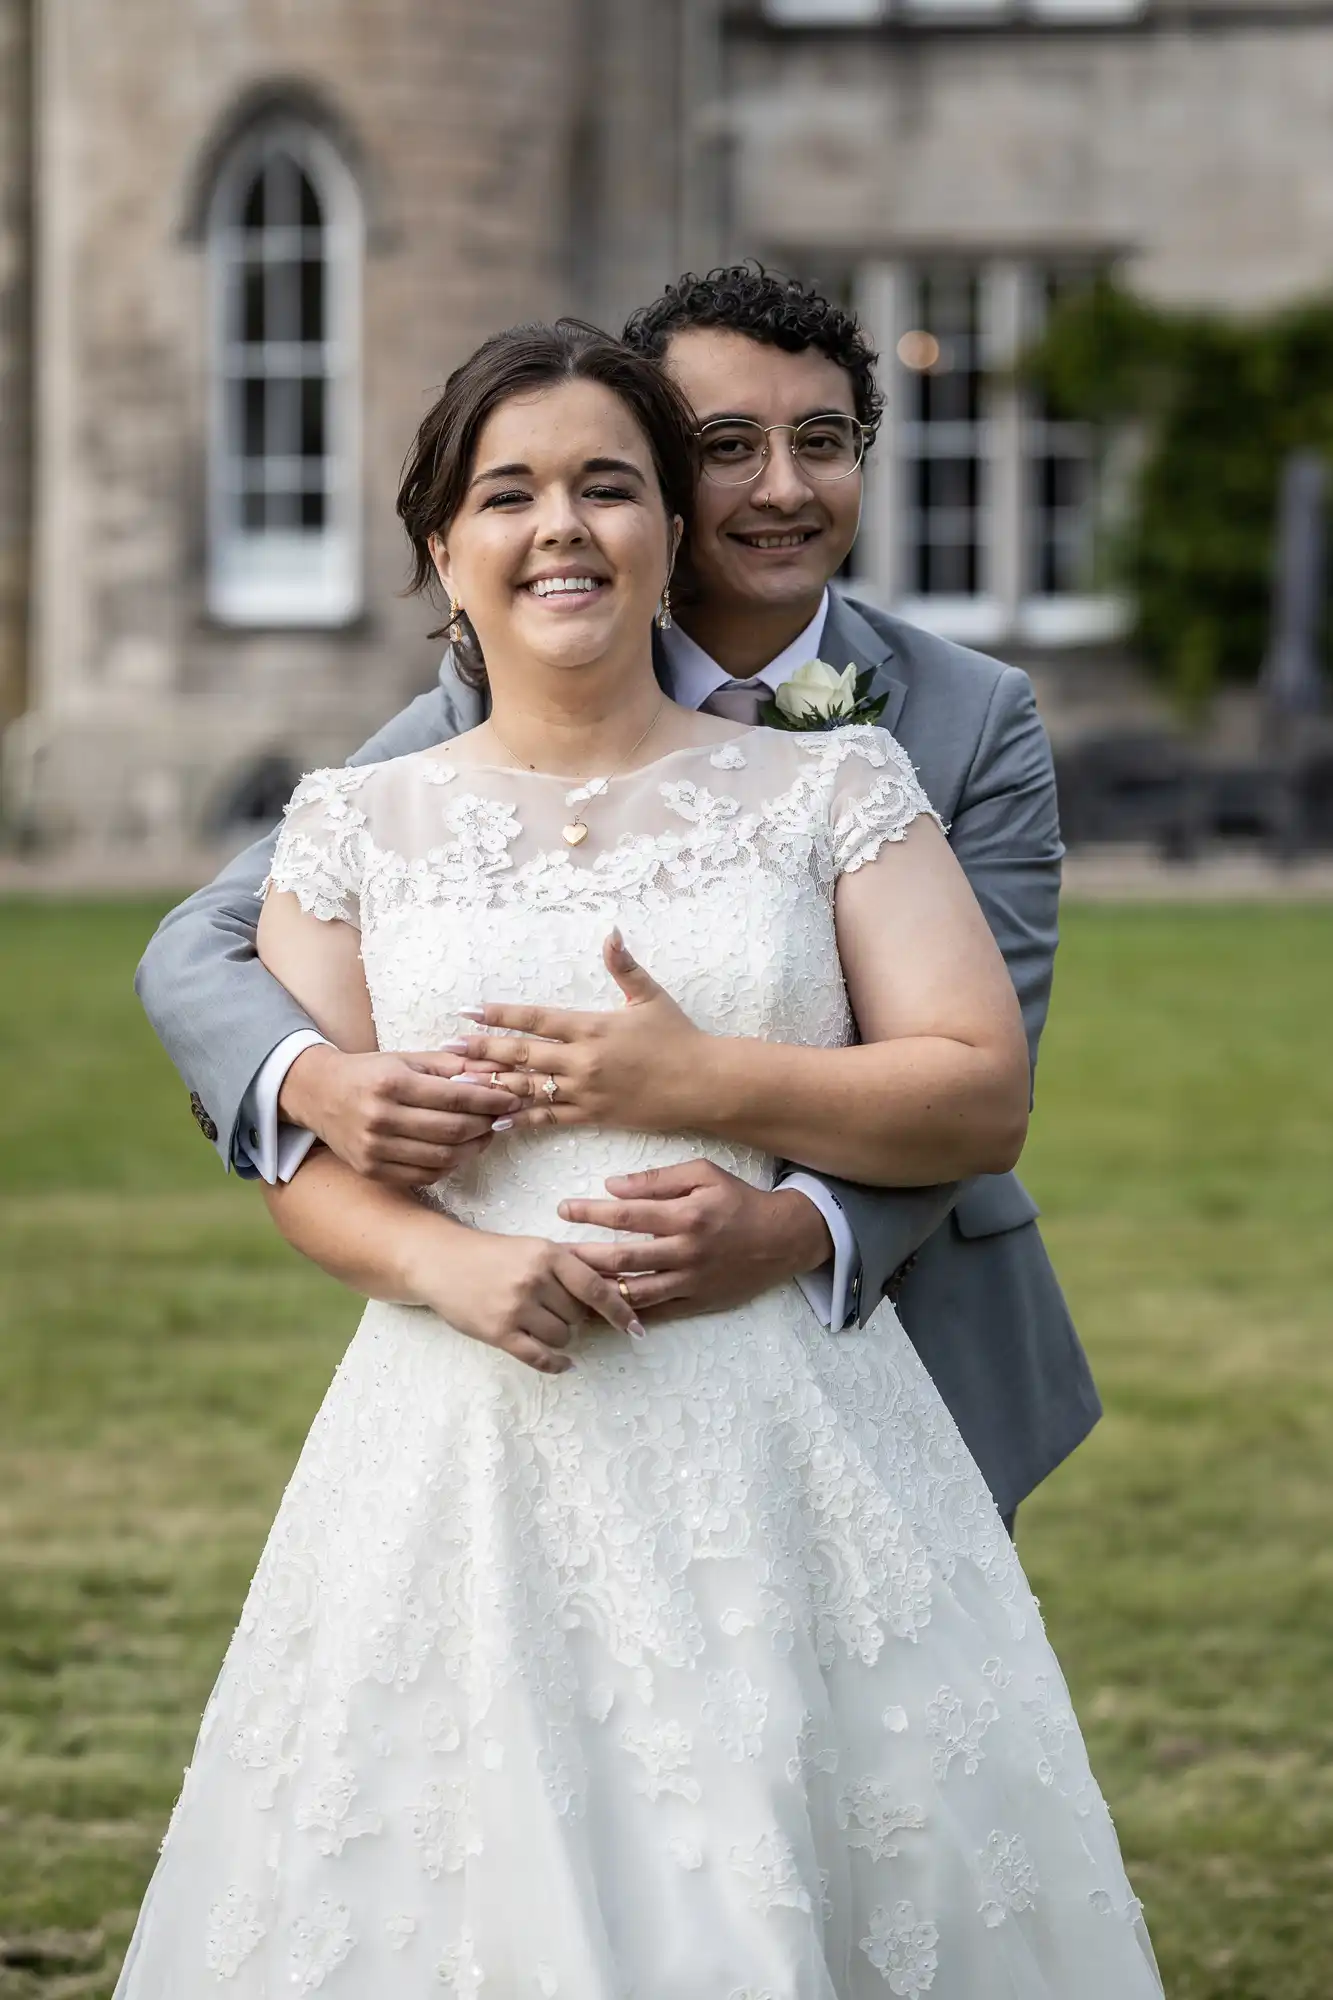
x=403, y=1119
x=716, y=1241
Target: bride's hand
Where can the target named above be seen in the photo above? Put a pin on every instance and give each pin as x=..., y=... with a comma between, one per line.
x=631, y=1068
x=521, y=1293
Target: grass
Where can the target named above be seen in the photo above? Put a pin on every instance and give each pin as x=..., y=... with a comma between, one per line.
x=162, y=1356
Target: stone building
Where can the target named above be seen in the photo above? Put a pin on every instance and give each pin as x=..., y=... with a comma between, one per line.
x=241, y=240
x=953, y=164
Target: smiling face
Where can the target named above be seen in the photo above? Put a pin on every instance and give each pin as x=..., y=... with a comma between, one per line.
x=561, y=546
x=772, y=545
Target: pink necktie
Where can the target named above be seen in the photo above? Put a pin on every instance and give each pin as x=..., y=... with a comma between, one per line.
x=738, y=701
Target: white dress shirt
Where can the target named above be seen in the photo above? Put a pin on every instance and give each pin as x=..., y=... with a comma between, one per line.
x=274, y=1150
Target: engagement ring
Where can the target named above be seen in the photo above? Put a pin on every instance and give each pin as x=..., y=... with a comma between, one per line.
x=550, y=1090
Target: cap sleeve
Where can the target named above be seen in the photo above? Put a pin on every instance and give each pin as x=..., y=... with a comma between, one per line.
x=876, y=796
x=320, y=855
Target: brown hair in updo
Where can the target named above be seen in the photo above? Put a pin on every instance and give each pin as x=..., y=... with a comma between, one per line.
x=439, y=465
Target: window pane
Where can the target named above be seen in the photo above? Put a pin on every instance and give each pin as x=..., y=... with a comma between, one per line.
x=252, y=510
x=311, y=215
x=284, y=179
x=312, y=301
x=283, y=317
x=1059, y=476
x=950, y=571
x=312, y=510
x=950, y=482
x=284, y=510
x=312, y=417
x=252, y=418
x=252, y=302
x=284, y=417
x=952, y=395
x=252, y=208
x=942, y=433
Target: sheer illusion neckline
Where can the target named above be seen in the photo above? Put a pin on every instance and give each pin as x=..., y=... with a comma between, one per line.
x=442, y=757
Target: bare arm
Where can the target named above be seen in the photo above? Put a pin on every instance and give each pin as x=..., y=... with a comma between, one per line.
x=939, y=1088
x=522, y=1294
x=1006, y=833
x=319, y=964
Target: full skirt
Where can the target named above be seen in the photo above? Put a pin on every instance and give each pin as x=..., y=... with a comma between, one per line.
x=705, y=1671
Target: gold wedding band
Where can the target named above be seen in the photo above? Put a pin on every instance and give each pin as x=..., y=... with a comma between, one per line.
x=623, y=1289
x=495, y=1079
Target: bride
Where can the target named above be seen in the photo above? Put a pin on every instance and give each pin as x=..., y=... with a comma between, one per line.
x=589, y=1659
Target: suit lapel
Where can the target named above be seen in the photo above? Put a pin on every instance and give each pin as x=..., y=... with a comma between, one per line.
x=850, y=640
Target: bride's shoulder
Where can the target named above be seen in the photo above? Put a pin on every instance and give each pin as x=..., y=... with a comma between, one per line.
x=860, y=781
x=830, y=751
x=354, y=788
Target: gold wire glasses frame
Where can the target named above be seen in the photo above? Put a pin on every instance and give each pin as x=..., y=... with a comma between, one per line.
x=734, y=450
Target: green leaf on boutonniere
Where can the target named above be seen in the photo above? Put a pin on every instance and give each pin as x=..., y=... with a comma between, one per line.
x=771, y=716
x=864, y=710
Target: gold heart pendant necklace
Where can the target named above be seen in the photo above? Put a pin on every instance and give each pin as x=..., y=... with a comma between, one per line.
x=576, y=832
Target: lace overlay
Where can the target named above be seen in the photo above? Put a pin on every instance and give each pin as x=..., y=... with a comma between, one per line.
x=704, y=1670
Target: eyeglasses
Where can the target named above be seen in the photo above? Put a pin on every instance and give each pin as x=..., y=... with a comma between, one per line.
x=734, y=450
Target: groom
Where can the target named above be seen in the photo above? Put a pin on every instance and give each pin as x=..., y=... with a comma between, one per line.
x=965, y=1264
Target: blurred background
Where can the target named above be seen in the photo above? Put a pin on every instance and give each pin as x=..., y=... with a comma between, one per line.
x=242, y=242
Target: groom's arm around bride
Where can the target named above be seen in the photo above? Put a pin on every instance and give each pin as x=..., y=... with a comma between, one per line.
x=980, y=1300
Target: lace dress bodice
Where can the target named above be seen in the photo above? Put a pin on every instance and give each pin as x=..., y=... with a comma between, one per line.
x=718, y=863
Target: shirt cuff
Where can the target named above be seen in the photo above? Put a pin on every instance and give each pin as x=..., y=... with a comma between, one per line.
x=264, y=1146
x=832, y=1289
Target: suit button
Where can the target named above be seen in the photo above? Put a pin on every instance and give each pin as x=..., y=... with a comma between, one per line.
x=252, y=1137
x=202, y=1119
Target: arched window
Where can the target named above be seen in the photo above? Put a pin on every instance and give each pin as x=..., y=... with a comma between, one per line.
x=284, y=239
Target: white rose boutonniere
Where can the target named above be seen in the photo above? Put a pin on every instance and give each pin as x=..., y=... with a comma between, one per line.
x=818, y=697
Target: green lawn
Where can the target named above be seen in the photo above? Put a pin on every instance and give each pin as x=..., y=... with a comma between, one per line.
x=162, y=1356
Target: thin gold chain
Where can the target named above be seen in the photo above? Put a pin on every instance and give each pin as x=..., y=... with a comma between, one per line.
x=601, y=783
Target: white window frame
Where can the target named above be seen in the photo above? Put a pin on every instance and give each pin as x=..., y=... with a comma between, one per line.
x=1004, y=607
x=269, y=576
x=978, y=618
x=1066, y=617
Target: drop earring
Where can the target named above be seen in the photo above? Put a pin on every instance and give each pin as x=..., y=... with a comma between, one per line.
x=455, y=609
x=663, y=617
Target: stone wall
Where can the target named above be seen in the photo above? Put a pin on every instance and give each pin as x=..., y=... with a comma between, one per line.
x=516, y=159
x=1201, y=153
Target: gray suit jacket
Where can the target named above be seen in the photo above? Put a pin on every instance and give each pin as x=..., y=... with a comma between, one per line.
x=979, y=1299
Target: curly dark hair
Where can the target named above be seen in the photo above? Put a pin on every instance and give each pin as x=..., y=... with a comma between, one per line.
x=765, y=306
x=523, y=358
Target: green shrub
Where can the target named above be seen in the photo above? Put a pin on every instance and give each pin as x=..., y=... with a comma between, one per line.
x=1215, y=405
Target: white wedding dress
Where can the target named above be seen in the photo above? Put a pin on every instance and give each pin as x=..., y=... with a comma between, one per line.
x=705, y=1671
